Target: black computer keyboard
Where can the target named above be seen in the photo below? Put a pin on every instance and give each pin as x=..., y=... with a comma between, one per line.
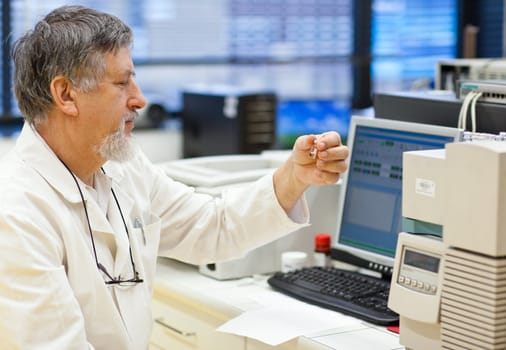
x=351, y=293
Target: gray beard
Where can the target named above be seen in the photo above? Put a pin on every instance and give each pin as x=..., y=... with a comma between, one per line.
x=118, y=146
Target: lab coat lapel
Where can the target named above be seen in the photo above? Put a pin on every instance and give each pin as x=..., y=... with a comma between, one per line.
x=124, y=205
x=120, y=204
x=136, y=316
x=98, y=220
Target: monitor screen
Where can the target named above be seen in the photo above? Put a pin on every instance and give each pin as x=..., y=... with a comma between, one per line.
x=310, y=116
x=369, y=217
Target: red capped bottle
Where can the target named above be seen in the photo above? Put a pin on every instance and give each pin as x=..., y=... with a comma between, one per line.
x=322, y=249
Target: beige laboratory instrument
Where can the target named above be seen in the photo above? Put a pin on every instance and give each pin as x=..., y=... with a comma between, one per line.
x=450, y=292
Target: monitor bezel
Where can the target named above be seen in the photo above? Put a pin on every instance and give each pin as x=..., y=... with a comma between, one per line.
x=352, y=255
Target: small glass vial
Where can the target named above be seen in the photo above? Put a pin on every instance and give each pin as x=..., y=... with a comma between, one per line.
x=322, y=249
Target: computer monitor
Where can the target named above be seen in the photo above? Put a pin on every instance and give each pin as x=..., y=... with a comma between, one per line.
x=369, y=212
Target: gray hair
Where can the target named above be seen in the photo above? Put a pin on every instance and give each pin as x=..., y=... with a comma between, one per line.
x=71, y=41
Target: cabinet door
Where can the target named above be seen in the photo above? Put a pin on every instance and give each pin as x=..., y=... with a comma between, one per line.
x=183, y=327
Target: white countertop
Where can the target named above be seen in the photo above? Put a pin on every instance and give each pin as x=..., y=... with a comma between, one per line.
x=228, y=299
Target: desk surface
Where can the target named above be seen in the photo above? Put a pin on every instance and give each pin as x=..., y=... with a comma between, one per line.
x=227, y=299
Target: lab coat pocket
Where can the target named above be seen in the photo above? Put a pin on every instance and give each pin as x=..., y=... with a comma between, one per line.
x=147, y=235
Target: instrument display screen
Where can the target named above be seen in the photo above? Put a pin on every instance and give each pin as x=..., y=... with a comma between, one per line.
x=422, y=261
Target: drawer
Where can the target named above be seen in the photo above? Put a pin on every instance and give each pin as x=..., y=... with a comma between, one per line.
x=182, y=328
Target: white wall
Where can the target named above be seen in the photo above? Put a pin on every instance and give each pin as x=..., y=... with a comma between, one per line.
x=161, y=145
x=6, y=143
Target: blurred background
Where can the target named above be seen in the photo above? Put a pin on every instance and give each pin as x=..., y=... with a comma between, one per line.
x=322, y=60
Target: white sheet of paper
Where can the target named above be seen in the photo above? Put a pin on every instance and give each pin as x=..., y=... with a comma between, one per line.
x=280, y=318
x=365, y=338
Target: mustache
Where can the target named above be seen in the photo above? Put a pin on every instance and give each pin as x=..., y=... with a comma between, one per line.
x=130, y=116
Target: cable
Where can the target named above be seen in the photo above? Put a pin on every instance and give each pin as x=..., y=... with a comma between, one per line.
x=462, y=113
x=473, y=110
x=463, y=110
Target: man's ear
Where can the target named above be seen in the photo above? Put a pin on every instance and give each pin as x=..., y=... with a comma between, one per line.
x=63, y=94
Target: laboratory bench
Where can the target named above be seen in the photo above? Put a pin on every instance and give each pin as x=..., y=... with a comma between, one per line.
x=188, y=307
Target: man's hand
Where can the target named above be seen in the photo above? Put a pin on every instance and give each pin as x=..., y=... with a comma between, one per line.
x=319, y=159
x=315, y=160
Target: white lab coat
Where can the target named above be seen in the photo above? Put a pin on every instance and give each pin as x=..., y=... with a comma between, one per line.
x=52, y=296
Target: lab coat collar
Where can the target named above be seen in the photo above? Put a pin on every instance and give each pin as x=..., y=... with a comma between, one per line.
x=32, y=148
